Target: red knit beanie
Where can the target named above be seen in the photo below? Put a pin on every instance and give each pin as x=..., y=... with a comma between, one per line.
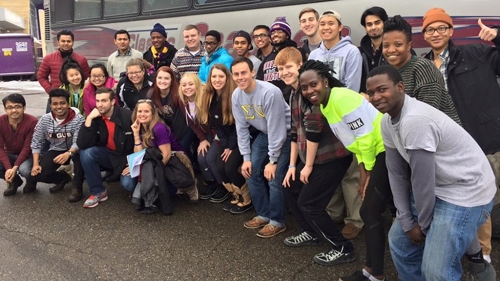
x=434, y=15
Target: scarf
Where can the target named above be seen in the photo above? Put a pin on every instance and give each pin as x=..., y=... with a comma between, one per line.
x=157, y=55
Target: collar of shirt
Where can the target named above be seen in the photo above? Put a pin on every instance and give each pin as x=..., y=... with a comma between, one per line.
x=127, y=53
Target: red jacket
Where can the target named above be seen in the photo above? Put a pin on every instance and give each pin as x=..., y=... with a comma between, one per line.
x=18, y=142
x=51, y=66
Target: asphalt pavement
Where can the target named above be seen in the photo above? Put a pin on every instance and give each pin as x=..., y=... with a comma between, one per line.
x=44, y=237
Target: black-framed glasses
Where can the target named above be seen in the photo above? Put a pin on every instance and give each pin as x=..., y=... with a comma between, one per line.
x=260, y=36
x=134, y=73
x=206, y=43
x=16, y=107
x=440, y=29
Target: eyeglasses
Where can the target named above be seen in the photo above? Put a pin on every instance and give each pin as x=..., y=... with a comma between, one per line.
x=210, y=43
x=441, y=29
x=134, y=73
x=260, y=36
x=16, y=107
x=97, y=76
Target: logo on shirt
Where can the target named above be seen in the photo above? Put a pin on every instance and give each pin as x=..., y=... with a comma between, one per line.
x=251, y=110
x=62, y=135
x=356, y=124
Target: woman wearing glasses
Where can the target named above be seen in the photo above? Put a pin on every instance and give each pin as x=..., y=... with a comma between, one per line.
x=99, y=78
x=135, y=85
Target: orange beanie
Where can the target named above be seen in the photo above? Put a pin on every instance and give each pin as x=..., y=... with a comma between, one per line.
x=434, y=15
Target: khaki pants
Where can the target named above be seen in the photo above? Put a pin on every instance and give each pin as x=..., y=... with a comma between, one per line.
x=346, y=199
x=484, y=232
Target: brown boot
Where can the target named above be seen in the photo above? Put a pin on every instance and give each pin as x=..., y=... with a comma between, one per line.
x=76, y=194
x=246, y=203
x=236, y=197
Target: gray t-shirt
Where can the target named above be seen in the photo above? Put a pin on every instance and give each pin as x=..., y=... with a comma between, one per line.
x=463, y=174
x=256, y=62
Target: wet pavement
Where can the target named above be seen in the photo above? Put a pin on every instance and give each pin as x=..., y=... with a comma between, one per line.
x=43, y=237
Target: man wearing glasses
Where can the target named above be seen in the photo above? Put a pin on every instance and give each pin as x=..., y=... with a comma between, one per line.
x=215, y=54
x=16, y=132
x=188, y=59
x=260, y=35
x=470, y=72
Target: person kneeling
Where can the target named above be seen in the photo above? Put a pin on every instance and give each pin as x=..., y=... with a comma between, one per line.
x=60, y=128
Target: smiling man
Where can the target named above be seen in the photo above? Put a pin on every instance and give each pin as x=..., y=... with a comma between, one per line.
x=242, y=45
x=60, y=127
x=162, y=52
x=188, y=59
x=261, y=105
x=308, y=20
x=117, y=61
x=445, y=194
x=215, y=54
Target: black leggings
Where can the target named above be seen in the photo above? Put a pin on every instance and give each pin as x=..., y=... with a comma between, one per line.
x=229, y=170
x=377, y=196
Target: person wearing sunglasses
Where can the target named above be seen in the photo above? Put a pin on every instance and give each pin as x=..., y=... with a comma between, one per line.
x=215, y=54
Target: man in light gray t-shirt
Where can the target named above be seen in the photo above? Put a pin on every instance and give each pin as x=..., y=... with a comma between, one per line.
x=446, y=193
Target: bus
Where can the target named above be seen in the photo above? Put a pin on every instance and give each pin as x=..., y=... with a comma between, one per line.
x=94, y=22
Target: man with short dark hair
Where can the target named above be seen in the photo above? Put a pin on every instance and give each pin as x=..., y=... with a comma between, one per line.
x=60, y=127
x=262, y=39
x=48, y=73
x=370, y=47
x=105, y=140
x=215, y=54
x=242, y=45
x=16, y=132
x=308, y=20
x=261, y=105
x=162, y=52
x=188, y=59
x=117, y=61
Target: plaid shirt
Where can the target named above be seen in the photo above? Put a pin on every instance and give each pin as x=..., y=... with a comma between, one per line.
x=309, y=124
x=445, y=58
x=127, y=53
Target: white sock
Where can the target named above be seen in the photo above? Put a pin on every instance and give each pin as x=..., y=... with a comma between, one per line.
x=487, y=258
x=375, y=279
x=366, y=273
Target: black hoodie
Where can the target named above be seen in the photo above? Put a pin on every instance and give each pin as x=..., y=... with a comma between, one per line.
x=268, y=71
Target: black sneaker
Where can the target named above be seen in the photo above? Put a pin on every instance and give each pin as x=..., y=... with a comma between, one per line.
x=13, y=186
x=356, y=276
x=207, y=191
x=240, y=209
x=334, y=257
x=220, y=195
x=302, y=239
x=60, y=186
x=29, y=187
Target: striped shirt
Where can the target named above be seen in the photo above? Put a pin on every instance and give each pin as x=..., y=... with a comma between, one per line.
x=185, y=62
x=425, y=82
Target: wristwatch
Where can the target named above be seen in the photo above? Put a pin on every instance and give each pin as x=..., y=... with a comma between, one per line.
x=70, y=154
x=271, y=162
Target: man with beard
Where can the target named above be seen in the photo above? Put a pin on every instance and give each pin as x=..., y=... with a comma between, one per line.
x=162, y=52
x=280, y=38
x=371, y=44
x=308, y=18
x=105, y=140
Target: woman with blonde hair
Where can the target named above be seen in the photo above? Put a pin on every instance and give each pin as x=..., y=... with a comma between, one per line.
x=216, y=111
x=151, y=133
x=192, y=96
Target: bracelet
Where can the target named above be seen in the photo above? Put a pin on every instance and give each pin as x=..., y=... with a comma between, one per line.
x=138, y=144
x=292, y=166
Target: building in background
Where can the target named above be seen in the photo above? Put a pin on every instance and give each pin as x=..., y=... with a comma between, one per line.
x=20, y=16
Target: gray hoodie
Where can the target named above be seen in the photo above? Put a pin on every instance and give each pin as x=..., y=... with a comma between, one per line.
x=267, y=111
x=345, y=59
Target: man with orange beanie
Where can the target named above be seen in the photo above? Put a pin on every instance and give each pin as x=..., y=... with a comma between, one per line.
x=470, y=72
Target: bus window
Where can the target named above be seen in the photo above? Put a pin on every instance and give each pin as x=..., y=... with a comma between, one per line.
x=156, y=5
x=87, y=9
x=201, y=3
x=120, y=7
x=59, y=10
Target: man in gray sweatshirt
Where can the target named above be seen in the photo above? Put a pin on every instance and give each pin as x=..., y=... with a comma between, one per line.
x=261, y=105
x=447, y=195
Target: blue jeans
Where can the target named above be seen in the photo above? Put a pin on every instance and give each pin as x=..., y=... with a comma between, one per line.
x=24, y=169
x=93, y=159
x=268, y=206
x=438, y=259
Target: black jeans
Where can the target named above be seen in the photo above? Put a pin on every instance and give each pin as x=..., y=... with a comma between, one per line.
x=308, y=202
x=50, y=174
x=229, y=170
x=377, y=196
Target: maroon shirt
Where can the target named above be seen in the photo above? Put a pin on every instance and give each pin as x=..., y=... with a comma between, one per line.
x=16, y=142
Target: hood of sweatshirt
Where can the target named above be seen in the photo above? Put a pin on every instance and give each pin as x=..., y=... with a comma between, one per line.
x=338, y=47
x=216, y=54
x=72, y=112
x=286, y=43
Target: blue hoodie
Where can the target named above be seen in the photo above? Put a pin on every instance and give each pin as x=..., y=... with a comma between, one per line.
x=345, y=59
x=219, y=56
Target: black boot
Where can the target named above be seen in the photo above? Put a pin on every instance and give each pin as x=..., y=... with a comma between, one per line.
x=13, y=186
x=76, y=194
x=60, y=186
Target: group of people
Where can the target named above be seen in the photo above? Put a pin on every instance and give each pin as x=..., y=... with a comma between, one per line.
x=330, y=131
